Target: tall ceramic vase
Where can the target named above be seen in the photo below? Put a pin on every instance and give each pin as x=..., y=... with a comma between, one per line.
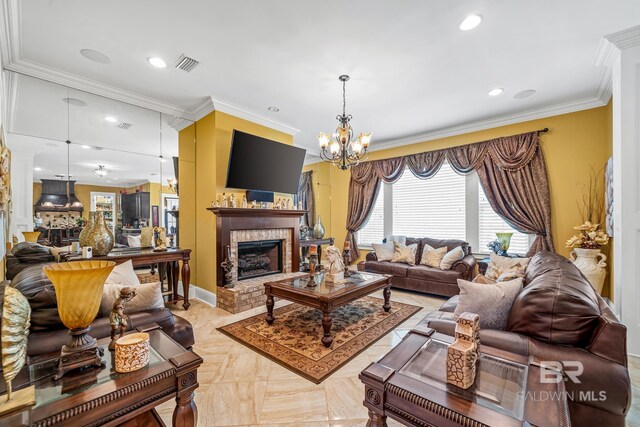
x=318, y=229
x=98, y=235
x=591, y=262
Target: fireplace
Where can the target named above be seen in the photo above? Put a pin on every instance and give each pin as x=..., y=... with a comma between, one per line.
x=259, y=258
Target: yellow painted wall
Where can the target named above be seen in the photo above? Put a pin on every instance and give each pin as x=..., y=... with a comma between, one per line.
x=575, y=143
x=207, y=164
x=187, y=190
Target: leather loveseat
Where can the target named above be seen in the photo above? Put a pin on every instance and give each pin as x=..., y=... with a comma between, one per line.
x=25, y=255
x=420, y=277
x=48, y=334
x=559, y=317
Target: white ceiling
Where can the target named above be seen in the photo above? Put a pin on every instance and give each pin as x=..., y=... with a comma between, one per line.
x=412, y=71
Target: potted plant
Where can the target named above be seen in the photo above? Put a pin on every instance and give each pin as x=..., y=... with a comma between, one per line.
x=586, y=245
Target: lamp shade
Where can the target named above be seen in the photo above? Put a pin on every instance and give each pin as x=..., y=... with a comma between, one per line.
x=78, y=288
x=31, y=236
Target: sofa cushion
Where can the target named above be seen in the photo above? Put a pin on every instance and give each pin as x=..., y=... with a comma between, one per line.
x=450, y=305
x=386, y=267
x=423, y=272
x=383, y=251
x=558, y=305
x=31, y=252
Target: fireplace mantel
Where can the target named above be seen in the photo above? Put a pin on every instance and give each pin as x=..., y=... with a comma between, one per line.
x=230, y=219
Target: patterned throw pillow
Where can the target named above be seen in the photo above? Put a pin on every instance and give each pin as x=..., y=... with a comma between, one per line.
x=384, y=251
x=492, y=302
x=498, y=265
x=451, y=257
x=404, y=254
x=480, y=278
x=433, y=257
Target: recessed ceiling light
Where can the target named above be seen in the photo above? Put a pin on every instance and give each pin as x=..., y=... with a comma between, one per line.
x=524, y=94
x=86, y=147
x=111, y=119
x=495, y=92
x=273, y=109
x=470, y=22
x=37, y=169
x=95, y=56
x=74, y=101
x=163, y=160
x=157, y=62
x=153, y=174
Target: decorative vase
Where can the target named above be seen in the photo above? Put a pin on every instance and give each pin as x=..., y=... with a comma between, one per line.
x=132, y=352
x=591, y=262
x=505, y=241
x=31, y=236
x=318, y=229
x=78, y=287
x=86, y=231
x=97, y=235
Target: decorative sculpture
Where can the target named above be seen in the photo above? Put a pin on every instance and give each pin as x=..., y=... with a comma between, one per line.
x=225, y=202
x=232, y=201
x=346, y=256
x=161, y=239
x=253, y=204
x=117, y=318
x=244, y=202
x=16, y=319
x=462, y=355
x=289, y=204
x=336, y=264
x=228, y=266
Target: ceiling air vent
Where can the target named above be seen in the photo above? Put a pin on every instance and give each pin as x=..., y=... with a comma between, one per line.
x=186, y=64
x=123, y=125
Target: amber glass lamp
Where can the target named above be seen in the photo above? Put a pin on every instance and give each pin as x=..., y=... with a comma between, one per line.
x=78, y=288
x=31, y=236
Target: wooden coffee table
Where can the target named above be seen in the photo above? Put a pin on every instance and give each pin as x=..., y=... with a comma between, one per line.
x=105, y=397
x=325, y=295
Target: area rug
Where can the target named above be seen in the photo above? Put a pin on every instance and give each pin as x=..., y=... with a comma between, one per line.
x=293, y=340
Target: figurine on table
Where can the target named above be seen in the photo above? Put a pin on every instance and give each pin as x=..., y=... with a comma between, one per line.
x=117, y=318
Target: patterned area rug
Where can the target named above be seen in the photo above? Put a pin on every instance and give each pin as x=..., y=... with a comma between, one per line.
x=294, y=338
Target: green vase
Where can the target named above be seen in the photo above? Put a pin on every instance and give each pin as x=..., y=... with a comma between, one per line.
x=505, y=240
x=318, y=229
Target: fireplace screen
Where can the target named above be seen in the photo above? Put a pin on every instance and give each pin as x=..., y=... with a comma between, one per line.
x=259, y=258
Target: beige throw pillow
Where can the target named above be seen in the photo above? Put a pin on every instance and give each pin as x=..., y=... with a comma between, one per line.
x=498, y=265
x=492, y=302
x=384, y=251
x=123, y=274
x=148, y=296
x=451, y=257
x=404, y=254
x=432, y=257
x=480, y=278
x=134, y=241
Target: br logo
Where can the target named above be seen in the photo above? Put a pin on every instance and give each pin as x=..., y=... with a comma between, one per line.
x=552, y=371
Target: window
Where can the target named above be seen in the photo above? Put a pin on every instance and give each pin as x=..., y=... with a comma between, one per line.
x=446, y=206
x=491, y=223
x=373, y=232
x=432, y=207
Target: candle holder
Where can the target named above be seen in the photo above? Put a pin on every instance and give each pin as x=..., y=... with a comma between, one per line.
x=228, y=266
x=346, y=256
x=313, y=262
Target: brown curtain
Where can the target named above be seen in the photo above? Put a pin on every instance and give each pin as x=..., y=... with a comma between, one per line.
x=511, y=170
x=305, y=195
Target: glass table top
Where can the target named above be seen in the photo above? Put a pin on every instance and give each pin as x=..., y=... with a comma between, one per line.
x=325, y=287
x=500, y=384
x=74, y=382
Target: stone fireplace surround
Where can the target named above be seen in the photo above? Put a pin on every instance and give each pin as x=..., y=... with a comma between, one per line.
x=234, y=225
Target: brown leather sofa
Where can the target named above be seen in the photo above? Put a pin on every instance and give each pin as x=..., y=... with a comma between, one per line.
x=48, y=334
x=420, y=277
x=559, y=317
x=25, y=255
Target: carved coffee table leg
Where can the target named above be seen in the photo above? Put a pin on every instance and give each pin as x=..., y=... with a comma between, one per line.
x=186, y=412
x=186, y=277
x=376, y=420
x=387, y=296
x=270, y=304
x=327, y=339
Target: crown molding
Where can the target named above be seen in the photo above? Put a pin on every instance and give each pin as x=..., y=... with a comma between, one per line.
x=202, y=109
x=626, y=38
x=540, y=113
x=237, y=111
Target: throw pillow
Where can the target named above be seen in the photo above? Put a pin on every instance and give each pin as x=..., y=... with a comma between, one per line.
x=384, y=251
x=134, y=241
x=31, y=252
x=57, y=251
x=481, y=278
x=148, y=296
x=404, y=254
x=500, y=264
x=123, y=274
x=432, y=257
x=451, y=257
x=492, y=302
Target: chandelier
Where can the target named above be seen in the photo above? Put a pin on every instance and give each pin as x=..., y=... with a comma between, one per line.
x=340, y=148
x=101, y=171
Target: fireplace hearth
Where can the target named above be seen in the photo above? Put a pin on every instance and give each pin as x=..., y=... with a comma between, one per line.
x=259, y=258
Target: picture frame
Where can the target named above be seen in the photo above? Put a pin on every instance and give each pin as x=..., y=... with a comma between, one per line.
x=155, y=216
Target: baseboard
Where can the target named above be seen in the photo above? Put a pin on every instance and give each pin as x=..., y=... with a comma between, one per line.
x=201, y=294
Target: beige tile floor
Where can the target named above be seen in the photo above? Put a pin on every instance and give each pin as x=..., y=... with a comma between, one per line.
x=238, y=387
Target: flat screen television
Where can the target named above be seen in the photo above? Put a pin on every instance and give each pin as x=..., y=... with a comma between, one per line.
x=261, y=164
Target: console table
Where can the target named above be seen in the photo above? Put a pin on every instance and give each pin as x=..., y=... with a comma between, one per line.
x=170, y=258
x=306, y=243
x=101, y=396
